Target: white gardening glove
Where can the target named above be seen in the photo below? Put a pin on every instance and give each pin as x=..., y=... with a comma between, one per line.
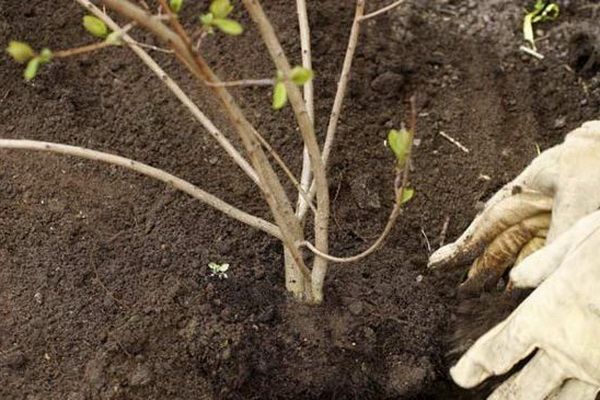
x=560, y=319
x=560, y=186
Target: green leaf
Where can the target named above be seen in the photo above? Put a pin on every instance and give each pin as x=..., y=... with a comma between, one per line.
x=228, y=26
x=45, y=56
x=32, y=68
x=207, y=19
x=407, y=194
x=279, y=96
x=301, y=75
x=220, y=8
x=176, y=5
x=21, y=52
x=399, y=142
x=95, y=26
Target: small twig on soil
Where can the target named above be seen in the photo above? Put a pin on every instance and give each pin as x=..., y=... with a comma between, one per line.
x=453, y=141
x=382, y=10
x=426, y=241
x=444, y=231
x=531, y=52
x=147, y=170
x=5, y=96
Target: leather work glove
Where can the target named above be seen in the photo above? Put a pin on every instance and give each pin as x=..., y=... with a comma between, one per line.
x=560, y=319
x=559, y=187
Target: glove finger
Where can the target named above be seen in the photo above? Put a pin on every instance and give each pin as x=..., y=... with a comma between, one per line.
x=577, y=194
x=496, y=352
x=489, y=224
x=535, y=381
x=574, y=389
x=537, y=267
x=502, y=253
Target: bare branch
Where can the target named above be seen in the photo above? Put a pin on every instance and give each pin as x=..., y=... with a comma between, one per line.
x=382, y=10
x=304, y=26
x=147, y=170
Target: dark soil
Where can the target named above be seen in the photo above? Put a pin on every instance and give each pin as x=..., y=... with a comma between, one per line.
x=104, y=286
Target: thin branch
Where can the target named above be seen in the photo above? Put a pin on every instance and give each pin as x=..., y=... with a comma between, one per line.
x=244, y=82
x=339, y=95
x=303, y=194
x=80, y=50
x=180, y=94
x=382, y=10
x=396, y=211
x=147, y=170
x=304, y=26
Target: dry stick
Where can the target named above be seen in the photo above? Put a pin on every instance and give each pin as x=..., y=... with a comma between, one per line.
x=147, y=170
x=304, y=26
x=382, y=10
x=397, y=206
x=180, y=94
x=339, y=96
x=308, y=136
x=270, y=185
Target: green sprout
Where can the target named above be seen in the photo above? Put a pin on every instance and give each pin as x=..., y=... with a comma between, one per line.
x=217, y=18
x=407, y=194
x=543, y=10
x=218, y=270
x=176, y=5
x=95, y=26
x=298, y=75
x=399, y=143
x=22, y=53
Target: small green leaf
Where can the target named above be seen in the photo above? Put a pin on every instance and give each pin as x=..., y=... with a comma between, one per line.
x=45, y=56
x=279, y=96
x=228, y=26
x=399, y=142
x=95, y=26
x=407, y=194
x=32, y=68
x=21, y=52
x=207, y=19
x=176, y=5
x=220, y=8
x=301, y=75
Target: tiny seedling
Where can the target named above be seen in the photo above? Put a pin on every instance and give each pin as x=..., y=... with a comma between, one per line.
x=218, y=270
x=543, y=10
